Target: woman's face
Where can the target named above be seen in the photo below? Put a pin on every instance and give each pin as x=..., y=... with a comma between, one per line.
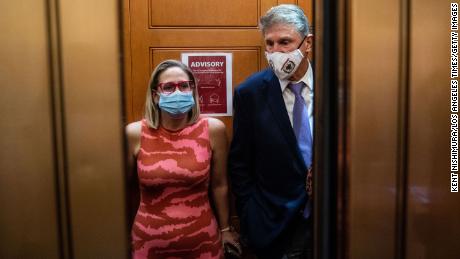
x=172, y=74
x=169, y=81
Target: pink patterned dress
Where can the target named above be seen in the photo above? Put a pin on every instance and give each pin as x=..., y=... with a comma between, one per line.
x=174, y=219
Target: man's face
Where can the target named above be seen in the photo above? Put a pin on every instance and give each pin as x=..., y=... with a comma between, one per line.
x=282, y=38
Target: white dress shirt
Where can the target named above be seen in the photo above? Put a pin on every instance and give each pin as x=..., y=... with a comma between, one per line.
x=307, y=94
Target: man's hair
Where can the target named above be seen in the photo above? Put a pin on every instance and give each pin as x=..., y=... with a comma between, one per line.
x=285, y=14
x=152, y=114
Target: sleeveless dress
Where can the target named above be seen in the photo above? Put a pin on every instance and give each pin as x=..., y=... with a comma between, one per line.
x=175, y=219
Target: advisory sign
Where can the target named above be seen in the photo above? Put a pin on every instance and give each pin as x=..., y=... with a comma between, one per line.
x=213, y=72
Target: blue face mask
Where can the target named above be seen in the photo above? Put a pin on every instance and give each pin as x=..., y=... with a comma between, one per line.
x=176, y=103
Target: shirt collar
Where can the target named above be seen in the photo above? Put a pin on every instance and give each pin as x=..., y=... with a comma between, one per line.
x=307, y=79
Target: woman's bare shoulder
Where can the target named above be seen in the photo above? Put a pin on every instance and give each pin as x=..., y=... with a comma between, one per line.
x=133, y=130
x=215, y=125
x=217, y=133
x=133, y=134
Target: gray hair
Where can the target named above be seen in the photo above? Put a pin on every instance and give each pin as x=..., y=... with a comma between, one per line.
x=285, y=14
x=152, y=114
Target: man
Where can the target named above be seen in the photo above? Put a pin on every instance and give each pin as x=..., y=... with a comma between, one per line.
x=271, y=150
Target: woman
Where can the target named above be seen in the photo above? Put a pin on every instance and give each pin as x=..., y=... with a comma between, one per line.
x=178, y=155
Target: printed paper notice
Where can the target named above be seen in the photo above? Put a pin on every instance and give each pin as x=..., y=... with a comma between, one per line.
x=213, y=72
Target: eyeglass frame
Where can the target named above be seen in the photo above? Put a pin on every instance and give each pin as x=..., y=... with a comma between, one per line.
x=191, y=84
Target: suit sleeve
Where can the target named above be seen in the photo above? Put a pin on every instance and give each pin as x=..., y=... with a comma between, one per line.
x=240, y=162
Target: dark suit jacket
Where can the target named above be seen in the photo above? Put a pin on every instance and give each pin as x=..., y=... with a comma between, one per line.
x=266, y=168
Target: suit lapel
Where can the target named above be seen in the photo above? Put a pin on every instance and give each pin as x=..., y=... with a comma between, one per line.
x=277, y=107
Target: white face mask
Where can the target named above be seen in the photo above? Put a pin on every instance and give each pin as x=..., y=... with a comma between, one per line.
x=284, y=64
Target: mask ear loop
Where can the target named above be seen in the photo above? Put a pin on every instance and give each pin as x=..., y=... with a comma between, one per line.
x=298, y=47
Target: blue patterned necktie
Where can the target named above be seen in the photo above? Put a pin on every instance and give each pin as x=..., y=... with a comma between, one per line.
x=302, y=132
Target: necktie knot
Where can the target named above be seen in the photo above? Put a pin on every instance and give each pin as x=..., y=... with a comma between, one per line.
x=296, y=88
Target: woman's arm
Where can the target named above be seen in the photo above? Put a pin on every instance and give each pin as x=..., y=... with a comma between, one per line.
x=219, y=183
x=133, y=136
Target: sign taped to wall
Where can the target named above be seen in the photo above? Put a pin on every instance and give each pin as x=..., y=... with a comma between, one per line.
x=213, y=72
